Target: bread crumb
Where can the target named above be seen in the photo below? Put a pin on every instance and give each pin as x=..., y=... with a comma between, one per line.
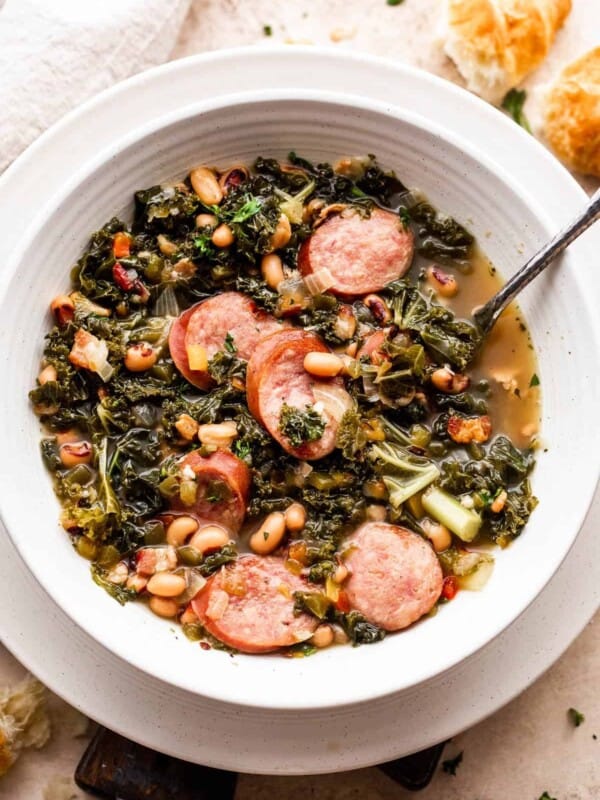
x=61, y=788
x=24, y=720
x=342, y=34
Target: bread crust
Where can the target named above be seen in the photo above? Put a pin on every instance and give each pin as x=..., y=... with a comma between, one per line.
x=573, y=114
x=496, y=43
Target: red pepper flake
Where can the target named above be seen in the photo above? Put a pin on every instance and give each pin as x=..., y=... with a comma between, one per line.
x=205, y=646
x=343, y=604
x=124, y=278
x=121, y=245
x=129, y=281
x=449, y=587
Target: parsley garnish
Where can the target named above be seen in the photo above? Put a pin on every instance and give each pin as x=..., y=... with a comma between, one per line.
x=267, y=30
x=230, y=344
x=576, y=717
x=546, y=796
x=450, y=765
x=203, y=244
x=394, y=2
x=535, y=381
x=251, y=207
x=300, y=427
x=404, y=214
x=265, y=535
x=513, y=103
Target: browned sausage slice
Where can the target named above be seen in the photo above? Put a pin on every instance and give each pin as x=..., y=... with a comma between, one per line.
x=362, y=254
x=395, y=576
x=208, y=324
x=276, y=375
x=198, y=378
x=249, y=606
x=223, y=488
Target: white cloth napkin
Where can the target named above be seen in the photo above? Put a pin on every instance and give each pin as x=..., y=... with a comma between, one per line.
x=56, y=53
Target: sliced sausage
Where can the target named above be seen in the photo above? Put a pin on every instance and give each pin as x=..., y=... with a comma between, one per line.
x=249, y=605
x=178, y=352
x=208, y=323
x=362, y=254
x=276, y=375
x=223, y=488
x=395, y=576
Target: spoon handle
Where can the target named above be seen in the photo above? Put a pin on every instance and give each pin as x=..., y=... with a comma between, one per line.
x=487, y=315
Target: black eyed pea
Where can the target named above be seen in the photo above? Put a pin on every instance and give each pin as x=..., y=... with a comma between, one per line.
x=442, y=282
x=323, y=636
x=205, y=184
x=209, y=537
x=323, y=365
x=165, y=245
x=222, y=236
x=163, y=607
x=438, y=534
x=270, y=534
x=140, y=357
x=341, y=573
x=282, y=233
x=271, y=268
x=376, y=513
x=63, y=309
x=219, y=434
x=446, y=380
x=166, y=584
x=295, y=517
x=206, y=221
x=339, y=635
x=180, y=529
x=379, y=308
x=74, y=453
x=118, y=574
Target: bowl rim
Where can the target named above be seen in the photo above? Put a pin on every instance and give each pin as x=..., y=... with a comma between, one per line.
x=225, y=101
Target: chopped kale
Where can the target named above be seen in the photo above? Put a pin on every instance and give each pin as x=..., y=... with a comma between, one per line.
x=300, y=427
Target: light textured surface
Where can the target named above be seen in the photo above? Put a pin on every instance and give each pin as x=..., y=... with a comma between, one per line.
x=529, y=746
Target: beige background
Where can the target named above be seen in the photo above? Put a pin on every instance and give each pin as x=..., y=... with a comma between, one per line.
x=529, y=746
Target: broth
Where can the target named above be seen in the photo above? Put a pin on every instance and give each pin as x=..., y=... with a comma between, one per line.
x=507, y=360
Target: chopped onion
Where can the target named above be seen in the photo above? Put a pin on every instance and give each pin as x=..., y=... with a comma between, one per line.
x=166, y=304
x=334, y=398
x=319, y=281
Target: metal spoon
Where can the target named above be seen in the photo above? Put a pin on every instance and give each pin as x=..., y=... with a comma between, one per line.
x=485, y=317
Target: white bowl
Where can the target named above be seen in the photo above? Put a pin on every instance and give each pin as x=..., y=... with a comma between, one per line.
x=457, y=178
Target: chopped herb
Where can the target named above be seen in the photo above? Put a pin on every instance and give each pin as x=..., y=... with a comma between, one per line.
x=267, y=30
x=513, y=103
x=265, y=535
x=302, y=650
x=546, y=796
x=576, y=717
x=535, y=381
x=394, y=2
x=300, y=427
x=230, y=344
x=249, y=209
x=404, y=215
x=450, y=765
x=203, y=244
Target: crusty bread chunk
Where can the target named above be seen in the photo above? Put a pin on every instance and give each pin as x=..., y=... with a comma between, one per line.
x=573, y=114
x=496, y=43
